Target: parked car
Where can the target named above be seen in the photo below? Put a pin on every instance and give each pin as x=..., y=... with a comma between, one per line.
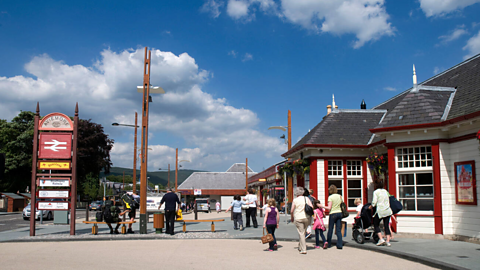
x=95, y=205
x=203, y=205
x=47, y=214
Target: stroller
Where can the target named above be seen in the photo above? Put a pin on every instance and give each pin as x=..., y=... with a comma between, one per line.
x=365, y=221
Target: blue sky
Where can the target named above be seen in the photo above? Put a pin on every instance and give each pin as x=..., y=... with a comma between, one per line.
x=231, y=68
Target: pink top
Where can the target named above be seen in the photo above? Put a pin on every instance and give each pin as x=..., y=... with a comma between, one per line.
x=319, y=215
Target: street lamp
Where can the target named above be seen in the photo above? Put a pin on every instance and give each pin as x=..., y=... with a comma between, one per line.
x=145, y=89
x=176, y=168
x=134, y=151
x=168, y=177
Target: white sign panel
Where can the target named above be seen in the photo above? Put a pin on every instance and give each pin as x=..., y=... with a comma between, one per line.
x=52, y=205
x=197, y=192
x=53, y=194
x=54, y=182
x=156, y=187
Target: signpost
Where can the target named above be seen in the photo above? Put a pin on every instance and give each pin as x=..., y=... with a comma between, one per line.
x=54, y=150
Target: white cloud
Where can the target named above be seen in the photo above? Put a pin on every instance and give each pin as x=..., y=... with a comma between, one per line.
x=443, y=7
x=233, y=53
x=366, y=19
x=215, y=134
x=473, y=46
x=454, y=34
x=388, y=88
x=212, y=7
x=247, y=57
x=436, y=70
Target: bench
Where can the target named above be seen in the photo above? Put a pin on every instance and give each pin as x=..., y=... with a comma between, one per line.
x=185, y=221
x=95, y=227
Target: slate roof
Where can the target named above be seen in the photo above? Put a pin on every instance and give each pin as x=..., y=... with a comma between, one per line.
x=238, y=167
x=12, y=195
x=348, y=127
x=420, y=107
x=214, y=180
x=464, y=77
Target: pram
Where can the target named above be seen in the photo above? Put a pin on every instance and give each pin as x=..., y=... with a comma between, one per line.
x=365, y=221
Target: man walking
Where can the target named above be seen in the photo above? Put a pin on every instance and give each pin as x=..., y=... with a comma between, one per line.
x=172, y=203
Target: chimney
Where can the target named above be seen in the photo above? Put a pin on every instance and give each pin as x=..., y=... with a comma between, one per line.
x=415, y=89
x=363, y=106
x=329, y=109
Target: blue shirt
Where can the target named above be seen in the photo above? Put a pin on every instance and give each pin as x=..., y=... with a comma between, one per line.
x=237, y=206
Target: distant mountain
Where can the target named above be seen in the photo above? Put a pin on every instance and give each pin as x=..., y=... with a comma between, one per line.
x=158, y=177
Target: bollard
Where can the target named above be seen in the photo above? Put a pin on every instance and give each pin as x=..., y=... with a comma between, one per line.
x=158, y=221
x=86, y=214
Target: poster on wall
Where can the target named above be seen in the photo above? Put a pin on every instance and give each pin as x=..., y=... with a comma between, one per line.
x=465, y=183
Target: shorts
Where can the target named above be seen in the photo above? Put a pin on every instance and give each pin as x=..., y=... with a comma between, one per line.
x=132, y=213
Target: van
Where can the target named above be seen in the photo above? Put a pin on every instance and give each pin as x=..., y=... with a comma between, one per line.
x=203, y=204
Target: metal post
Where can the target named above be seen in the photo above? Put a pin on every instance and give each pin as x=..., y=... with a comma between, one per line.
x=168, y=180
x=73, y=195
x=86, y=212
x=285, y=193
x=144, y=156
x=176, y=169
x=34, y=171
x=135, y=158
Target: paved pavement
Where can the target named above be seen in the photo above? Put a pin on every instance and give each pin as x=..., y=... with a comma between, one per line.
x=437, y=253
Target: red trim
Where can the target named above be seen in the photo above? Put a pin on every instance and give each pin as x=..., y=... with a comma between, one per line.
x=365, y=183
x=474, y=181
x=392, y=176
x=437, y=190
x=428, y=125
x=463, y=138
x=293, y=150
x=313, y=176
x=343, y=158
x=325, y=179
x=56, y=129
x=345, y=190
x=411, y=143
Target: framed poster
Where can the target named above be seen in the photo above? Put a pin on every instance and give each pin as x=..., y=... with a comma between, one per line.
x=465, y=183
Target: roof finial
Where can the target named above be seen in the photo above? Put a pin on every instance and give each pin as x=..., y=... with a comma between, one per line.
x=333, y=101
x=414, y=76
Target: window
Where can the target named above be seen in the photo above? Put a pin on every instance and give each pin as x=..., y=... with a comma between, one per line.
x=354, y=182
x=335, y=167
x=414, y=157
x=335, y=174
x=416, y=191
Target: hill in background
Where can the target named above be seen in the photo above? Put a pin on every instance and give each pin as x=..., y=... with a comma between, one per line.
x=158, y=177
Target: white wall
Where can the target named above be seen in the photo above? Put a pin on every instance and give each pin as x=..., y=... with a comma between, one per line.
x=416, y=225
x=458, y=219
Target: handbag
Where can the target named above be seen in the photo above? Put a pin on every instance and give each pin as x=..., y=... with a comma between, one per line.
x=344, y=210
x=266, y=238
x=395, y=205
x=308, y=209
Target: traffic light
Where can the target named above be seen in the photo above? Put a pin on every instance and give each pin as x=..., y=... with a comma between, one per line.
x=2, y=165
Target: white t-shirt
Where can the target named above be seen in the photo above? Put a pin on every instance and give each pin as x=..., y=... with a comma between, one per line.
x=359, y=207
x=252, y=199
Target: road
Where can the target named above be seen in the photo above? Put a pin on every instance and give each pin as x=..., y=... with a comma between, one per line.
x=15, y=221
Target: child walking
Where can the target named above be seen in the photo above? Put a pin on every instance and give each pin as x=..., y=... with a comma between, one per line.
x=237, y=212
x=318, y=224
x=271, y=221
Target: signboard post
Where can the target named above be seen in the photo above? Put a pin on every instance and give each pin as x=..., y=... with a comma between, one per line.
x=55, y=150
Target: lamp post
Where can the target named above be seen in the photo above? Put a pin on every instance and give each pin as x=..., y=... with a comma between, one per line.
x=176, y=168
x=168, y=177
x=144, y=157
x=134, y=152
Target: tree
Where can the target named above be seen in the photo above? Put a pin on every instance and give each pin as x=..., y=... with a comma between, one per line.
x=16, y=142
x=91, y=187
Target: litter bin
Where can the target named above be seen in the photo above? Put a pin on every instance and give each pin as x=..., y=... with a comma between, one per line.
x=158, y=221
x=60, y=217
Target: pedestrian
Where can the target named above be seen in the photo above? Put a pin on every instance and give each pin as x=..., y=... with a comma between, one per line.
x=383, y=212
x=335, y=216
x=127, y=208
x=172, y=203
x=271, y=222
x=318, y=224
x=299, y=216
x=309, y=228
x=236, y=207
x=111, y=215
x=359, y=204
x=251, y=200
x=217, y=206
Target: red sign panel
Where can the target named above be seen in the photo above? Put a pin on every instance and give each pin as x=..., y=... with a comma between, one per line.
x=55, y=145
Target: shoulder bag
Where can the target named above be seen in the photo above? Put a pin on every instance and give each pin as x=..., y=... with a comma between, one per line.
x=395, y=205
x=343, y=207
x=266, y=238
x=308, y=209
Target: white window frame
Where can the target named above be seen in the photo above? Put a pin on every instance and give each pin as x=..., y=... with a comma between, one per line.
x=413, y=170
x=403, y=169
x=336, y=177
x=356, y=177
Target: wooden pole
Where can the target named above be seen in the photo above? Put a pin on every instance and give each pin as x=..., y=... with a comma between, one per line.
x=246, y=174
x=176, y=169
x=33, y=188
x=144, y=157
x=73, y=196
x=123, y=187
x=289, y=130
x=168, y=180
x=135, y=158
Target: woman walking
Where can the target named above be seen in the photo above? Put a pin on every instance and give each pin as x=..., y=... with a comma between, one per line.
x=335, y=216
x=237, y=212
x=381, y=200
x=299, y=217
x=251, y=199
x=271, y=222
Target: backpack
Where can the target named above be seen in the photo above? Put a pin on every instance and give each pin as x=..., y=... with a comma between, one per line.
x=110, y=215
x=99, y=216
x=129, y=201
